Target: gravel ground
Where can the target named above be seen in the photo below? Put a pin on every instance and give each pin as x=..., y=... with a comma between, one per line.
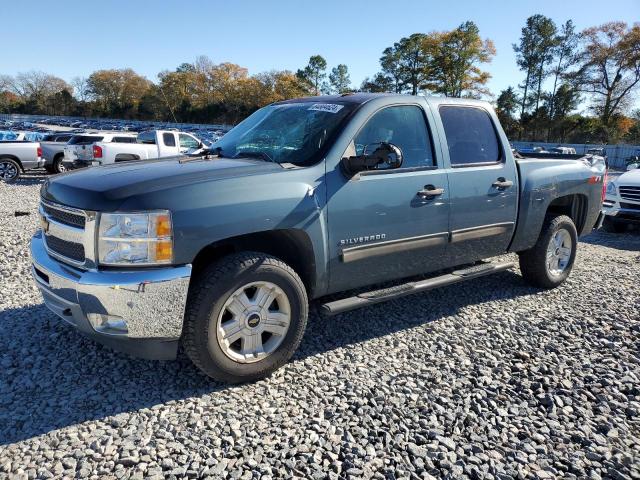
x=488, y=379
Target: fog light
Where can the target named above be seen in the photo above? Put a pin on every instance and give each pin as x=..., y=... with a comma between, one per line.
x=108, y=324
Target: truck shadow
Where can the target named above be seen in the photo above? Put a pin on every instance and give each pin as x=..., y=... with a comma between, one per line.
x=91, y=382
x=630, y=240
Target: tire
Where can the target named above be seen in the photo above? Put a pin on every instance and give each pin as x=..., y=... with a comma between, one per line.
x=214, y=301
x=58, y=166
x=613, y=226
x=9, y=170
x=536, y=269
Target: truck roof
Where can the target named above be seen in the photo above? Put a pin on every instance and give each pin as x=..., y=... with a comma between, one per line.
x=360, y=98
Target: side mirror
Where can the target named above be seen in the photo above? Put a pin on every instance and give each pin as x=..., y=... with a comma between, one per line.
x=384, y=154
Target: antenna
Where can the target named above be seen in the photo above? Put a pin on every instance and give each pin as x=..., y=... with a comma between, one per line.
x=167, y=102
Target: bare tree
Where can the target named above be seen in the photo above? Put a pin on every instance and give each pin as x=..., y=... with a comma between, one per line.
x=609, y=68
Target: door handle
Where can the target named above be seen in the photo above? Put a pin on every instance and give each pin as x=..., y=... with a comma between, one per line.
x=502, y=183
x=430, y=191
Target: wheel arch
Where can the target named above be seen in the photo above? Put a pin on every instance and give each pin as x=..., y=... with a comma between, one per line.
x=14, y=158
x=574, y=206
x=292, y=246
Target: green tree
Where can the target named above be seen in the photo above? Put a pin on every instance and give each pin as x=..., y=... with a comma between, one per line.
x=456, y=56
x=565, y=56
x=314, y=73
x=378, y=84
x=391, y=70
x=415, y=58
x=534, y=52
x=339, y=79
x=506, y=108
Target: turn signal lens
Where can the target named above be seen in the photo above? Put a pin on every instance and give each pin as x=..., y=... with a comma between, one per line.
x=164, y=251
x=163, y=225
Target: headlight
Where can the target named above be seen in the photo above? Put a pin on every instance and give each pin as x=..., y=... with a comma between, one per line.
x=611, y=188
x=135, y=238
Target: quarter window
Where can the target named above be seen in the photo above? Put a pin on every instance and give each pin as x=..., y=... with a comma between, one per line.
x=403, y=126
x=470, y=134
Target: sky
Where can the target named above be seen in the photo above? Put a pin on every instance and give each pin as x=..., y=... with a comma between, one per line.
x=73, y=38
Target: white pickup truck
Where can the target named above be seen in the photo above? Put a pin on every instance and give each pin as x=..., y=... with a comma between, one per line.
x=18, y=156
x=80, y=150
x=148, y=145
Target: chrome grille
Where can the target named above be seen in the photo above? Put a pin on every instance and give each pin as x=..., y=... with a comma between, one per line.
x=630, y=192
x=72, y=250
x=64, y=216
x=69, y=234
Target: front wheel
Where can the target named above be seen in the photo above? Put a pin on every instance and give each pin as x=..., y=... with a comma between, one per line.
x=9, y=170
x=245, y=318
x=549, y=262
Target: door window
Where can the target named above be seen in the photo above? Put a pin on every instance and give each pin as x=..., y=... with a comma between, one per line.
x=403, y=126
x=169, y=139
x=187, y=141
x=470, y=134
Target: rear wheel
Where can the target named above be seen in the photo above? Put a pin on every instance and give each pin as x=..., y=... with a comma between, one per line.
x=549, y=262
x=9, y=170
x=245, y=317
x=58, y=166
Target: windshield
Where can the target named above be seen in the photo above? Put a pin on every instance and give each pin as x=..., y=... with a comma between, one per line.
x=288, y=133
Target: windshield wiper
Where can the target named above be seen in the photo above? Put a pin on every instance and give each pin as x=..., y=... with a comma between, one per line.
x=254, y=154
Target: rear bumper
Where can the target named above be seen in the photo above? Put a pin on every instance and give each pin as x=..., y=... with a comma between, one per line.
x=31, y=164
x=75, y=164
x=139, y=312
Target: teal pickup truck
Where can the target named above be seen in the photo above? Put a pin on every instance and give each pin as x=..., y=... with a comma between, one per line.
x=222, y=252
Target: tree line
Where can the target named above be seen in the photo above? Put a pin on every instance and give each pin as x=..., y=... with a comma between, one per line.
x=561, y=67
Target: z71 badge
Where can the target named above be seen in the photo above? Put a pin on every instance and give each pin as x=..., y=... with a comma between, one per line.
x=363, y=239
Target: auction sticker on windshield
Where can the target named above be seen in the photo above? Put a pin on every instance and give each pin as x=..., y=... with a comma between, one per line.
x=326, y=107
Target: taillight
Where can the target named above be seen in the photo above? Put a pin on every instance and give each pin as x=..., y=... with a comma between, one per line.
x=97, y=151
x=39, y=151
x=604, y=184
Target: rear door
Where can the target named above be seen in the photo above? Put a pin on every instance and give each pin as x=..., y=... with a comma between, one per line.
x=483, y=183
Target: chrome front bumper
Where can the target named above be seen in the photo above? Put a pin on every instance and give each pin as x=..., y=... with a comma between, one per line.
x=612, y=208
x=147, y=305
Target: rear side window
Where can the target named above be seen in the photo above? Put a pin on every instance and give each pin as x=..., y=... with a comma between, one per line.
x=124, y=140
x=470, y=134
x=148, y=138
x=63, y=139
x=84, y=139
x=169, y=139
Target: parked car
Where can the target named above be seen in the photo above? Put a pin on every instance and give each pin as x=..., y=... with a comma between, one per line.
x=53, y=151
x=79, y=149
x=622, y=203
x=633, y=161
x=531, y=150
x=17, y=156
x=147, y=145
x=304, y=198
x=563, y=150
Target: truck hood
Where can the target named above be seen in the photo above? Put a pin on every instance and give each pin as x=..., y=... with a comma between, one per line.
x=631, y=178
x=105, y=188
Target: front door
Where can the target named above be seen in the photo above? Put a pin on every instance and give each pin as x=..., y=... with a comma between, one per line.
x=483, y=183
x=385, y=224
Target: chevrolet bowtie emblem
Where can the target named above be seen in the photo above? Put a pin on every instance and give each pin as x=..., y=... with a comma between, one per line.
x=44, y=223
